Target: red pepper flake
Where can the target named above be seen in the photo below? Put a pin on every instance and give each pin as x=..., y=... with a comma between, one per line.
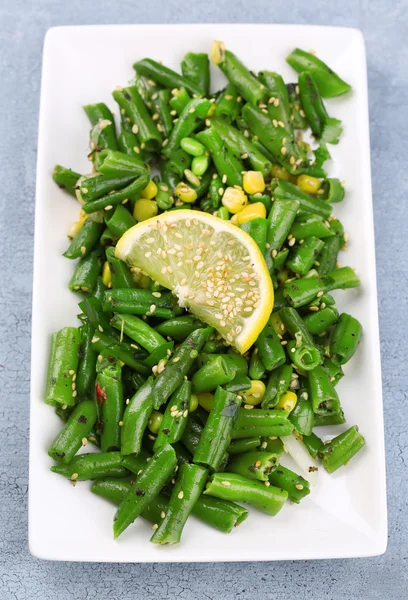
x=100, y=394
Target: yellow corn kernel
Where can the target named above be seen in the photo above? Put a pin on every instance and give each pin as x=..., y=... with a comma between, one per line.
x=205, y=400
x=234, y=200
x=149, y=191
x=144, y=209
x=106, y=275
x=186, y=193
x=255, y=394
x=287, y=401
x=277, y=323
x=280, y=172
x=308, y=184
x=251, y=211
x=253, y=182
x=217, y=52
x=234, y=219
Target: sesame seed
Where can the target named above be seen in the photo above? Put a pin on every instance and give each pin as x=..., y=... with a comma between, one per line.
x=135, y=129
x=299, y=486
x=176, y=359
x=74, y=476
x=267, y=483
x=248, y=406
x=292, y=242
x=314, y=308
x=180, y=495
x=283, y=150
x=109, y=207
x=226, y=483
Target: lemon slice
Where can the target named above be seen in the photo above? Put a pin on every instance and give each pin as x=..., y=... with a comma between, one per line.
x=214, y=268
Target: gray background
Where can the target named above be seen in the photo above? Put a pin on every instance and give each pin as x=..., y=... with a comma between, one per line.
x=22, y=29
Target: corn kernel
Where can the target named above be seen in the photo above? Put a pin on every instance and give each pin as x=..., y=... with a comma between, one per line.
x=234, y=200
x=280, y=172
x=205, y=400
x=250, y=212
x=106, y=274
x=234, y=219
x=253, y=182
x=144, y=209
x=254, y=395
x=308, y=184
x=217, y=52
x=287, y=401
x=186, y=193
x=149, y=191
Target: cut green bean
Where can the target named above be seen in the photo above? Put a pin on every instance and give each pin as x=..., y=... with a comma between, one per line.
x=62, y=366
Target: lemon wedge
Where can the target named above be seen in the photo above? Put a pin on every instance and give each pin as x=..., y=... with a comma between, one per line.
x=214, y=268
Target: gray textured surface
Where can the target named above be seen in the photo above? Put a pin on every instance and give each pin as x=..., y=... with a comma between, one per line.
x=22, y=28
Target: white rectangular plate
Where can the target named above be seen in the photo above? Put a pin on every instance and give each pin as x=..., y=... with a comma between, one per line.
x=345, y=515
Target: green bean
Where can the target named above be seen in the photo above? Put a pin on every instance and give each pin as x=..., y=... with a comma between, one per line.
x=188, y=487
x=230, y=486
x=92, y=466
x=175, y=417
x=86, y=273
x=169, y=380
x=216, y=436
x=109, y=397
x=62, y=366
x=66, y=179
x=196, y=68
x=146, y=487
x=253, y=465
x=296, y=486
x=78, y=426
x=135, y=418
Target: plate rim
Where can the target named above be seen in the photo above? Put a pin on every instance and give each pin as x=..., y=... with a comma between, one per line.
x=379, y=545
